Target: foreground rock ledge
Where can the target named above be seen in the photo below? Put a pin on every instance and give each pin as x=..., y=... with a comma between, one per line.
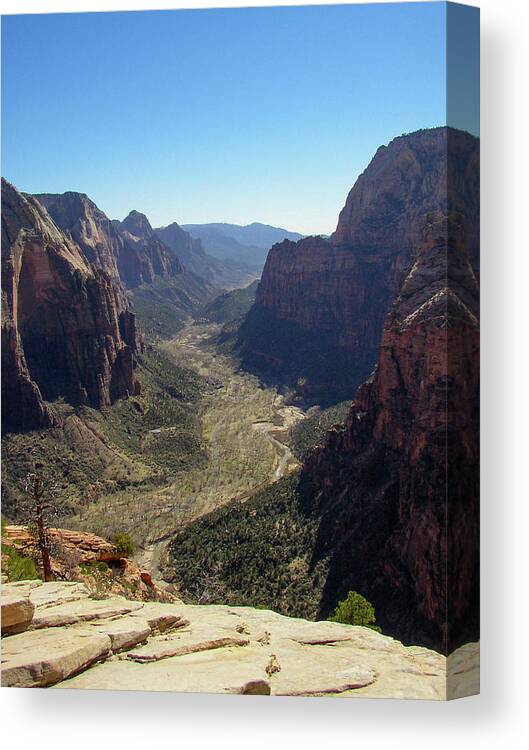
x=73, y=641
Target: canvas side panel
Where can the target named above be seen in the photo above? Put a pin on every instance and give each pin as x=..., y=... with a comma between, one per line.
x=462, y=424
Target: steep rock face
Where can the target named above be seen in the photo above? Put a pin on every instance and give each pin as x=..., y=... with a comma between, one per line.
x=142, y=255
x=22, y=404
x=182, y=244
x=87, y=225
x=66, y=325
x=320, y=306
x=426, y=171
x=397, y=489
x=129, y=251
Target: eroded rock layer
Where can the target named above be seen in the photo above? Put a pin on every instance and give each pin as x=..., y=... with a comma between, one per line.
x=66, y=329
x=142, y=254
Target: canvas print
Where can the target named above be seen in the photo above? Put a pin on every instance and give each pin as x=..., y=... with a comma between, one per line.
x=240, y=351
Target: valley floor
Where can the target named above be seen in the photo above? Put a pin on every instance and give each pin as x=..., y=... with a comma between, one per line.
x=244, y=431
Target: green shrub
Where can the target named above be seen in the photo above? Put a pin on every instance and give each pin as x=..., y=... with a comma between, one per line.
x=355, y=610
x=90, y=568
x=19, y=567
x=124, y=544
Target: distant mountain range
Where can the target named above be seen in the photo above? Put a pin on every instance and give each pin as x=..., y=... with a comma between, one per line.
x=244, y=244
x=225, y=274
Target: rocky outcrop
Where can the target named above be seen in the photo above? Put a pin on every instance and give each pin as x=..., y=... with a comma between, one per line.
x=397, y=489
x=142, y=255
x=76, y=642
x=66, y=327
x=16, y=611
x=320, y=307
x=76, y=554
x=89, y=547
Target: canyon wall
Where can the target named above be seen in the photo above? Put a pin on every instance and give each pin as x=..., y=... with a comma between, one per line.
x=66, y=328
x=142, y=255
x=397, y=489
x=320, y=307
x=129, y=250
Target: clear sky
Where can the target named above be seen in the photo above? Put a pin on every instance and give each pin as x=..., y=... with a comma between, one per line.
x=237, y=115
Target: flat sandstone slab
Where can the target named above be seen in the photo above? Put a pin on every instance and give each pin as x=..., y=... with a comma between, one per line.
x=83, y=610
x=216, y=649
x=42, y=658
x=239, y=671
x=125, y=632
x=162, y=616
x=54, y=593
x=157, y=650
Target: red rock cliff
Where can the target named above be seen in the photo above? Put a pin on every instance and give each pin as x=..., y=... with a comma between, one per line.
x=66, y=329
x=129, y=251
x=142, y=254
x=87, y=225
x=320, y=306
x=397, y=489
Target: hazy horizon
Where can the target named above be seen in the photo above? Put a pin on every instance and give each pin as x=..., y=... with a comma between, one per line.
x=220, y=115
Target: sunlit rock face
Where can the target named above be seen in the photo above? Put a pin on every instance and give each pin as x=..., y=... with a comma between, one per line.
x=66, y=327
x=129, y=251
x=321, y=304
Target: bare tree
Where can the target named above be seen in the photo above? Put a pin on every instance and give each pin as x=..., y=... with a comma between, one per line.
x=40, y=506
x=209, y=587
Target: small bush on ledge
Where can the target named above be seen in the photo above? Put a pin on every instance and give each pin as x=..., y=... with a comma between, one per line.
x=355, y=610
x=124, y=544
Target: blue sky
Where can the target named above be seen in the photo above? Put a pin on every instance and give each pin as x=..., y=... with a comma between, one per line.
x=239, y=115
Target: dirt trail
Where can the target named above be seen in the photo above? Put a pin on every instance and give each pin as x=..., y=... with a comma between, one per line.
x=287, y=416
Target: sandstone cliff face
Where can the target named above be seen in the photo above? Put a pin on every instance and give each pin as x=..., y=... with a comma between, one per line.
x=331, y=296
x=83, y=221
x=129, y=251
x=142, y=255
x=182, y=244
x=397, y=489
x=22, y=404
x=66, y=327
